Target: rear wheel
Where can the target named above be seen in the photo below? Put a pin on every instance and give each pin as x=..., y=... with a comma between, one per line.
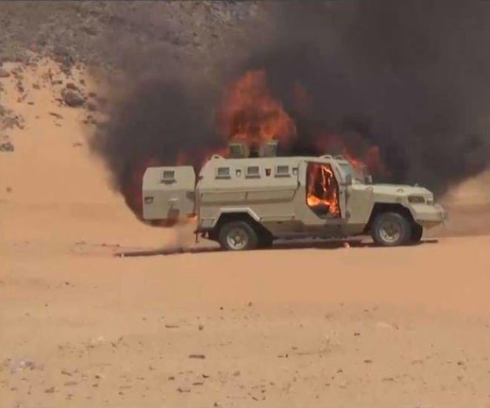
x=417, y=232
x=238, y=236
x=391, y=229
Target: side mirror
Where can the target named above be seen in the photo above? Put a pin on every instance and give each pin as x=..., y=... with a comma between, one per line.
x=369, y=179
x=348, y=179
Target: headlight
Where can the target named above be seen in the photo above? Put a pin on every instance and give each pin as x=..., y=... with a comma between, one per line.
x=416, y=200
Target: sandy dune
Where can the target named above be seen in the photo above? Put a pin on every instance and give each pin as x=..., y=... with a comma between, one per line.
x=322, y=326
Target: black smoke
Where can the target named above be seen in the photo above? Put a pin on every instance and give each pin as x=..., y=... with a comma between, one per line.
x=411, y=77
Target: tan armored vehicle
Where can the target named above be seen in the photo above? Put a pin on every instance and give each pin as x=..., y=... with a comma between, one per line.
x=245, y=202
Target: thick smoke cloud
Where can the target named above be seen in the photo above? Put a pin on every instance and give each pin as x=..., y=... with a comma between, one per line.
x=410, y=77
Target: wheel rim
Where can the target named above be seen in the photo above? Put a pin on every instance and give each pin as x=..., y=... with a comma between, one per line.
x=237, y=238
x=390, y=231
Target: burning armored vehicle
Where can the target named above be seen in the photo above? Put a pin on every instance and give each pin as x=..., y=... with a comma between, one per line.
x=251, y=198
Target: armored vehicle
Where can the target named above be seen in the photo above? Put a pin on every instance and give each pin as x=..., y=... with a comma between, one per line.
x=252, y=198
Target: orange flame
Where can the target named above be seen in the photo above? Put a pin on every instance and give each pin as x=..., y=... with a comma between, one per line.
x=252, y=115
x=322, y=188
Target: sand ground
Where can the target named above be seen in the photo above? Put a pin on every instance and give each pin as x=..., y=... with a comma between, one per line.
x=317, y=327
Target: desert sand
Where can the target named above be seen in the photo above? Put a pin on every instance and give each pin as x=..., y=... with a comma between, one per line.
x=321, y=326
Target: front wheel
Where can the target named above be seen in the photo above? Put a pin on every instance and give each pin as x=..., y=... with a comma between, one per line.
x=238, y=236
x=417, y=232
x=391, y=229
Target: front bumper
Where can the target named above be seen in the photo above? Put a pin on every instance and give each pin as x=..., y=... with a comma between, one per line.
x=429, y=215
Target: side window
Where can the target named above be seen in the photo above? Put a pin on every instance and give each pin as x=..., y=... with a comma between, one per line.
x=223, y=173
x=253, y=172
x=168, y=176
x=282, y=171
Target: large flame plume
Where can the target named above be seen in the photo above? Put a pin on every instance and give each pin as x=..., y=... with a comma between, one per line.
x=251, y=114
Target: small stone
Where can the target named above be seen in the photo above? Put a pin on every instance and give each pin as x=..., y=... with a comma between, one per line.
x=200, y=327
x=71, y=85
x=182, y=389
x=368, y=361
x=49, y=390
x=72, y=98
x=171, y=378
x=4, y=73
x=346, y=245
x=6, y=147
x=198, y=356
x=236, y=373
x=56, y=115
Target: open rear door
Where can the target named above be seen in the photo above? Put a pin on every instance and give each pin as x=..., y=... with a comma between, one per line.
x=169, y=193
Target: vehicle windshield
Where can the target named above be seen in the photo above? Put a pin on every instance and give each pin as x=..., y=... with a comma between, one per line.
x=347, y=169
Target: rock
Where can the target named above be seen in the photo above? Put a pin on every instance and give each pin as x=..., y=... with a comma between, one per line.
x=56, y=115
x=36, y=86
x=20, y=86
x=199, y=356
x=72, y=98
x=4, y=73
x=6, y=147
x=8, y=189
x=200, y=327
x=236, y=373
x=182, y=389
x=91, y=106
x=72, y=86
x=49, y=390
x=346, y=245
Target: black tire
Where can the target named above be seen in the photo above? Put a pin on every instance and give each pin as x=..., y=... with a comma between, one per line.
x=238, y=236
x=391, y=229
x=417, y=232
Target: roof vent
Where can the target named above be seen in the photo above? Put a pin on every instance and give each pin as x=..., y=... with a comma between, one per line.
x=239, y=150
x=268, y=149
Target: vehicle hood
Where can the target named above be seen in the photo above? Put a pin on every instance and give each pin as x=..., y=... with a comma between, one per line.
x=400, y=190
